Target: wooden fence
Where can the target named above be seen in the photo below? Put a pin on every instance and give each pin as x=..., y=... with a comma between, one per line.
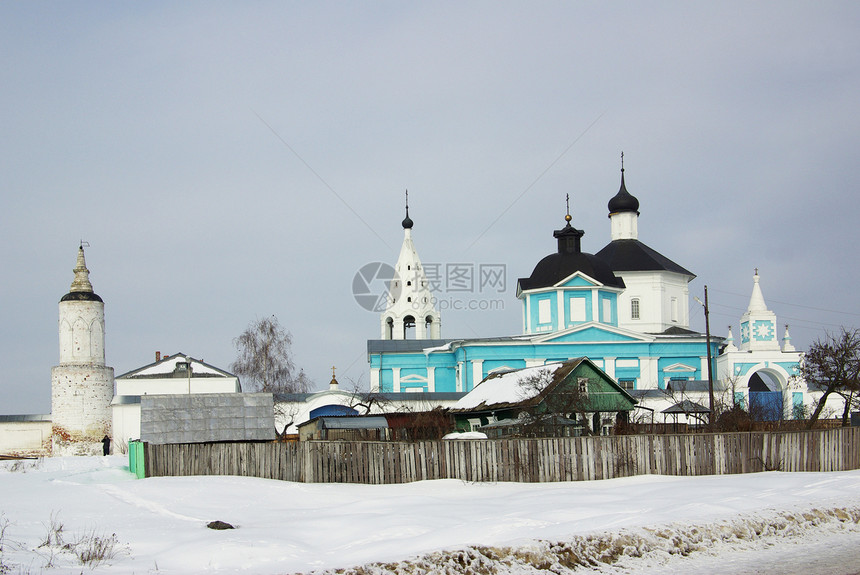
x=523, y=460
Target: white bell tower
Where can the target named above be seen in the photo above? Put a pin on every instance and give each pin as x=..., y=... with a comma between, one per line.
x=81, y=386
x=758, y=324
x=410, y=303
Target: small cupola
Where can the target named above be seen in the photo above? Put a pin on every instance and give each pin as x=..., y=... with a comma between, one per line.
x=623, y=201
x=623, y=212
x=407, y=221
x=569, y=238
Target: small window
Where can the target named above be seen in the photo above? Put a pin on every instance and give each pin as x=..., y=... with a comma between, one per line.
x=582, y=383
x=409, y=283
x=544, y=311
x=577, y=309
x=634, y=308
x=627, y=384
x=674, y=309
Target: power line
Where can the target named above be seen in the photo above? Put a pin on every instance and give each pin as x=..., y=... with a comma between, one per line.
x=813, y=308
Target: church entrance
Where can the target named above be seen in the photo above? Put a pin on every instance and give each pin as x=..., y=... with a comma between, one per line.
x=766, y=401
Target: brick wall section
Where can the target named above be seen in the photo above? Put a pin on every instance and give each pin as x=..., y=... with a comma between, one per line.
x=202, y=418
x=80, y=408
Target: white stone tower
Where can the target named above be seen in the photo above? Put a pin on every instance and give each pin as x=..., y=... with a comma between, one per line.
x=758, y=324
x=81, y=386
x=410, y=303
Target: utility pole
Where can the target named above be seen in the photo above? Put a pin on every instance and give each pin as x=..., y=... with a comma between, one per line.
x=710, y=368
x=711, y=421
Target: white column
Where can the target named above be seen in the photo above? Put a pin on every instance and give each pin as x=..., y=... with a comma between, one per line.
x=477, y=371
x=648, y=372
x=526, y=314
x=431, y=379
x=560, y=319
x=395, y=377
x=609, y=366
x=374, y=380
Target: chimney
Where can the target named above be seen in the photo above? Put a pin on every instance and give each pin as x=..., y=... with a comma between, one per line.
x=157, y=356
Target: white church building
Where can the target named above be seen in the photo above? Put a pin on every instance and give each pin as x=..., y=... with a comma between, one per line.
x=624, y=307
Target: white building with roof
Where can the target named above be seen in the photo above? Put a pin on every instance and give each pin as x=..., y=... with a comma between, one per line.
x=626, y=308
x=176, y=374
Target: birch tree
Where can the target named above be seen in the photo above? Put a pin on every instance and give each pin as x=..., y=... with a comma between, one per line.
x=265, y=358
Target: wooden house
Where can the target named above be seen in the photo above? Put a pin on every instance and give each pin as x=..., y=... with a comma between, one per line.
x=573, y=397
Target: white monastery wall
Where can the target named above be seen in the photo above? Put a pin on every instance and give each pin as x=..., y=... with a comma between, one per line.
x=25, y=437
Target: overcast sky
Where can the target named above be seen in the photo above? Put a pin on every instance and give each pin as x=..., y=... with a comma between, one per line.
x=230, y=161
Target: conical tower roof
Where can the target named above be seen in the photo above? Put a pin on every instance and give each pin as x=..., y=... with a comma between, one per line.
x=81, y=289
x=757, y=298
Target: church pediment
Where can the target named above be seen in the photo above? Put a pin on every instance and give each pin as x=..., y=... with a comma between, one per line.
x=578, y=280
x=679, y=368
x=592, y=332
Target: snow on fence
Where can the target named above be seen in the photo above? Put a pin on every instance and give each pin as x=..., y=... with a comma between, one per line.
x=523, y=460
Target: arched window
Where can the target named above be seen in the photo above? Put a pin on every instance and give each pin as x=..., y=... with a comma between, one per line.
x=634, y=308
x=390, y=328
x=408, y=326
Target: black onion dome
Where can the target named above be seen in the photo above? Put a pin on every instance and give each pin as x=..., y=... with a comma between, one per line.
x=623, y=201
x=81, y=296
x=407, y=221
x=556, y=267
x=568, y=260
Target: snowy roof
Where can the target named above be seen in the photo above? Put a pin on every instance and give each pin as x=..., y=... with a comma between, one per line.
x=511, y=387
x=167, y=366
x=532, y=385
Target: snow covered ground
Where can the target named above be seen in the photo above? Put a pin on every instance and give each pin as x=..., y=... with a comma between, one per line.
x=53, y=510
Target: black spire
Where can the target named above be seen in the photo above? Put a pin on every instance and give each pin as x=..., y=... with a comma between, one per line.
x=623, y=201
x=407, y=221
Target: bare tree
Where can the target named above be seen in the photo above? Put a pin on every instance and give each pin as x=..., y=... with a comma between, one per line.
x=265, y=358
x=545, y=403
x=832, y=365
